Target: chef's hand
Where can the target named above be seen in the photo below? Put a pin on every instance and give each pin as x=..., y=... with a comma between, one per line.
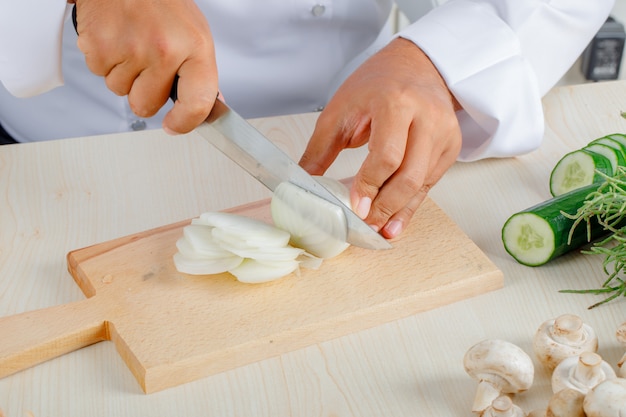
x=398, y=102
x=140, y=45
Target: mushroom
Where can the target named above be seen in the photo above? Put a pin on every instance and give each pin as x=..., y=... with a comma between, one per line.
x=561, y=338
x=621, y=337
x=581, y=372
x=566, y=403
x=503, y=406
x=607, y=399
x=500, y=367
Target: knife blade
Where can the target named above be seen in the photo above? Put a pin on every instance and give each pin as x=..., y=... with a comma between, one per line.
x=251, y=150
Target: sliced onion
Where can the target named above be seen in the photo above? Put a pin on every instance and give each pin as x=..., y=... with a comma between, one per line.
x=254, y=251
x=254, y=272
x=199, y=238
x=205, y=266
x=314, y=224
x=270, y=254
x=248, y=231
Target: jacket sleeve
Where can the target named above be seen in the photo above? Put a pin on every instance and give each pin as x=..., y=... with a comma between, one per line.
x=30, y=45
x=499, y=57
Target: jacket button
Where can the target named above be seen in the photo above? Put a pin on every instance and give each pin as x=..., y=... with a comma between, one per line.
x=318, y=10
x=138, y=125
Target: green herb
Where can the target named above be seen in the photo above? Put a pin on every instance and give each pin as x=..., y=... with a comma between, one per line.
x=623, y=114
x=607, y=206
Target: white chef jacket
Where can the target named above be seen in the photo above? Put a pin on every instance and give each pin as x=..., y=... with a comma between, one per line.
x=498, y=57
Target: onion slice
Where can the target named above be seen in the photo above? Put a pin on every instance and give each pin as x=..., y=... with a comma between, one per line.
x=316, y=225
x=307, y=229
x=252, y=271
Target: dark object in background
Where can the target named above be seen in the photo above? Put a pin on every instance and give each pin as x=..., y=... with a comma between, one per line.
x=5, y=138
x=602, y=58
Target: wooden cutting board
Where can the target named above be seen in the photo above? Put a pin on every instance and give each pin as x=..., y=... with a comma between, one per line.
x=171, y=328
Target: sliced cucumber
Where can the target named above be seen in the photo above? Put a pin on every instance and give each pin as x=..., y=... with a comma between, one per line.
x=618, y=137
x=540, y=233
x=578, y=169
x=612, y=143
x=615, y=156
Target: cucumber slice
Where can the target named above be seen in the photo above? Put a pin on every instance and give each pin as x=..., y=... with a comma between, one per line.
x=616, y=157
x=540, y=233
x=618, y=137
x=621, y=148
x=578, y=169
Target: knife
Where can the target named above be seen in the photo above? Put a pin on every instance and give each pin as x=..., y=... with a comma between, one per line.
x=266, y=162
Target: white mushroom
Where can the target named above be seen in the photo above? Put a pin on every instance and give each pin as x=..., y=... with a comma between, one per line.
x=581, y=372
x=566, y=403
x=500, y=368
x=621, y=337
x=561, y=338
x=607, y=399
x=503, y=407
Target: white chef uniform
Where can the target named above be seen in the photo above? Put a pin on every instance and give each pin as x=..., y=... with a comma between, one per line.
x=498, y=57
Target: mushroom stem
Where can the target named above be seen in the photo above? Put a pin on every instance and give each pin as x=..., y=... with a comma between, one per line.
x=568, y=329
x=486, y=393
x=581, y=373
x=503, y=407
x=563, y=337
x=588, y=369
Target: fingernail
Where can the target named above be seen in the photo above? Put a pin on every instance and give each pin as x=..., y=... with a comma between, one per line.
x=363, y=208
x=170, y=131
x=393, y=228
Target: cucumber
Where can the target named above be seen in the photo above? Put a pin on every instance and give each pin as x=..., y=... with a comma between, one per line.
x=616, y=157
x=618, y=137
x=612, y=143
x=578, y=169
x=540, y=233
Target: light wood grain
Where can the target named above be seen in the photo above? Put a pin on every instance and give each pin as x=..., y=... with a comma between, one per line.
x=171, y=328
x=59, y=196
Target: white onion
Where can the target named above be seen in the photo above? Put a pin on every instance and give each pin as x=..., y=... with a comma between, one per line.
x=307, y=228
x=314, y=224
x=205, y=266
x=252, y=271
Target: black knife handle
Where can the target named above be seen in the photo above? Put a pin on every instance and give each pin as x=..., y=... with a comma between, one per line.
x=74, y=21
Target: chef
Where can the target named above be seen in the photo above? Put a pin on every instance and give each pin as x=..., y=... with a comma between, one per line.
x=463, y=82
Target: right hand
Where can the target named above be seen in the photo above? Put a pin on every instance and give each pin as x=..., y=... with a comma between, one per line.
x=139, y=46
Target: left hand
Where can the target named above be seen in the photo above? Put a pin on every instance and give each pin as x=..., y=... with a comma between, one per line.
x=398, y=103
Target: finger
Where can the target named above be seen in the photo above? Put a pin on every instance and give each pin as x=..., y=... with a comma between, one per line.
x=439, y=164
x=387, y=147
x=149, y=91
x=323, y=147
x=196, y=94
x=100, y=48
x=121, y=77
x=404, y=184
x=399, y=221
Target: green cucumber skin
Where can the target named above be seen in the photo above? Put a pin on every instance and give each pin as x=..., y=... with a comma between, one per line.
x=552, y=212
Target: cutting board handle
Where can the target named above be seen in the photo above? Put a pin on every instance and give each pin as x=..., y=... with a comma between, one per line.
x=33, y=337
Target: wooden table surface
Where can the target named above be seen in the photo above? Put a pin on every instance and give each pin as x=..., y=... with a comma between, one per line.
x=63, y=195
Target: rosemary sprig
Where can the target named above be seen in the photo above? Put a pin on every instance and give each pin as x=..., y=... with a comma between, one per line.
x=607, y=207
